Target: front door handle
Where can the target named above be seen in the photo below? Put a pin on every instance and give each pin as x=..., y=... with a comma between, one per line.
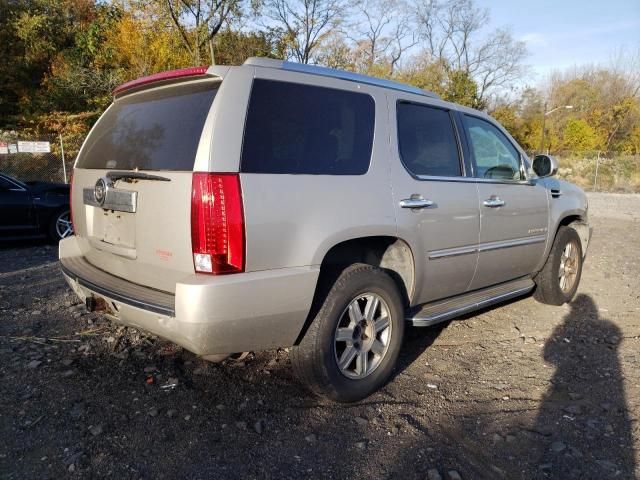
x=493, y=202
x=416, y=202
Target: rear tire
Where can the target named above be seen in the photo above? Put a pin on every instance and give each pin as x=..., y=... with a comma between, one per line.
x=353, y=343
x=558, y=280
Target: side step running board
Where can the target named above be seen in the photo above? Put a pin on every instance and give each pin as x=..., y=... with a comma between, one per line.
x=442, y=310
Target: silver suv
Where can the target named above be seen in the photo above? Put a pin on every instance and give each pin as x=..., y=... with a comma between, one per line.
x=274, y=204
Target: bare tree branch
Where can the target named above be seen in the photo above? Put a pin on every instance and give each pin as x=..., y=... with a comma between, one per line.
x=304, y=23
x=198, y=21
x=451, y=30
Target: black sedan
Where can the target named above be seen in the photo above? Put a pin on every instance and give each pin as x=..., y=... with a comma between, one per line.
x=34, y=209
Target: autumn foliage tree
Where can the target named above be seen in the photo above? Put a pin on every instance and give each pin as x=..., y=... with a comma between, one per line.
x=61, y=60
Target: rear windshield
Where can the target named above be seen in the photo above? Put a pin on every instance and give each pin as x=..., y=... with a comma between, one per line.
x=156, y=130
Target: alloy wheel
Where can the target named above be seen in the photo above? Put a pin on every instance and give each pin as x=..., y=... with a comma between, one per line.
x=64, y=227
x=362, y=336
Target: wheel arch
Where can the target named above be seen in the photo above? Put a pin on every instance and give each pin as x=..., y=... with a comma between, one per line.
x=390, y=253
x=579, y=223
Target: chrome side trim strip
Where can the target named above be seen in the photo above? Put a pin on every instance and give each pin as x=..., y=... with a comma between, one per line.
x=486, y=247
x=118, y=200
x=441, y=317
x=452, y=252
x=474, y=180
x=517, y=242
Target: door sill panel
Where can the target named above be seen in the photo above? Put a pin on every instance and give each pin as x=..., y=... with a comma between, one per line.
x=442, y=310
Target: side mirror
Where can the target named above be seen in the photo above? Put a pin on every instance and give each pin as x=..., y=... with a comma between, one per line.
x=545, y=165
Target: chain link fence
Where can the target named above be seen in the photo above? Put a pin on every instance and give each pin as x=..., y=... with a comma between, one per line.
x=592, y=170
x=40, y=158
x=601, y=171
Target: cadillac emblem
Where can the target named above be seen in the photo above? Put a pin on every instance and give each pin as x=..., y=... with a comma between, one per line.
x=100, y=191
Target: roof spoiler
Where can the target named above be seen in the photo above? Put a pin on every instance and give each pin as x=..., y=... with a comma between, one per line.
x=169, y=76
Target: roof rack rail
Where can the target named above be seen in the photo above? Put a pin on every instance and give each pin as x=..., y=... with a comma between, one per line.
x=341, y=74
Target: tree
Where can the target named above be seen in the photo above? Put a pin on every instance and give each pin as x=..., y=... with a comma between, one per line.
x=451, y=85
x=383, y=33
x=303, y=24
x=140, y=45
x=336, y=52
x=82, y=76
x=608, y=99
x=579, y=137
x=452, y=32
x=198, y=21
x=234, y=47
x=461, y=88
x=632, y=143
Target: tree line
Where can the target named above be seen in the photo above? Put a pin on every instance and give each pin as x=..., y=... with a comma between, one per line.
x=61, y=59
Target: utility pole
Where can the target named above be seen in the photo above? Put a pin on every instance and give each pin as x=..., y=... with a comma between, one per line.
x=544, y=118
x=64, y=166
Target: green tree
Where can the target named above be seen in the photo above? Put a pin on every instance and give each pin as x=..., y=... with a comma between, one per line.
x=579, y=136
x=461, y=88
x=33, y=33
x=234, y=47
x=83, y=75
x=199, y=21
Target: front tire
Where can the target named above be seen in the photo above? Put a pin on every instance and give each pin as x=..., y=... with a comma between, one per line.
x=557, y=282
x=353, y=343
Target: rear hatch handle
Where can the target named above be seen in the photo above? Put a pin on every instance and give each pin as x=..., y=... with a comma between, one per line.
x=129, y=176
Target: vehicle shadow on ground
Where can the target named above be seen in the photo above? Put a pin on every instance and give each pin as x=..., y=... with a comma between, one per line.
x=582, y=428
x=418, y=339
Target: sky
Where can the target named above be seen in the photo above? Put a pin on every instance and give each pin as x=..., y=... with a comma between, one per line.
x=564, y=33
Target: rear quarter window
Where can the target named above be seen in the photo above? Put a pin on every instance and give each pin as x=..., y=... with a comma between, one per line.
x=427, y=141
x=303, y=129
x=154, y=130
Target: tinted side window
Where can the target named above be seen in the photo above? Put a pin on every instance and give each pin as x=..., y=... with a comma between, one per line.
x=494, y=154
x=295, y=128
x=427, y=141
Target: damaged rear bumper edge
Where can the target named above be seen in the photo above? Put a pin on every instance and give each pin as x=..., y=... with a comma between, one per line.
x=208, y=314
x=165, y=308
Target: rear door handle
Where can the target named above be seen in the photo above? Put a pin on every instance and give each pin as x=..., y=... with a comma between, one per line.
x=493, y=202
x=416, y=202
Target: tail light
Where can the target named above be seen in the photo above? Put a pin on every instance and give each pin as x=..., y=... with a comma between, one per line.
x=217, y=223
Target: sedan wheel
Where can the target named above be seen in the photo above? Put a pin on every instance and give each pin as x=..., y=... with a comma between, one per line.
x=63, y=227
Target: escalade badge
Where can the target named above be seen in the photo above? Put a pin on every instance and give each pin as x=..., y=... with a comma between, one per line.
x=100, y=191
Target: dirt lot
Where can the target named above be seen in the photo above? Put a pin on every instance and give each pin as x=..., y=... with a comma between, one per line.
x=518, y=391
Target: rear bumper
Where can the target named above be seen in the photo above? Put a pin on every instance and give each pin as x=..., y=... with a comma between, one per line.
x=208, y=314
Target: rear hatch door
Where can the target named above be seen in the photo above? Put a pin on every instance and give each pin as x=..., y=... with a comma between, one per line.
x=132, y=183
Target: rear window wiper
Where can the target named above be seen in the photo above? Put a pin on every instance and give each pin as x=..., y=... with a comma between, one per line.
x=131, y=176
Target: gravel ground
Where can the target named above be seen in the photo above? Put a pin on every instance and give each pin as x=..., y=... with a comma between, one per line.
x=523, y=390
